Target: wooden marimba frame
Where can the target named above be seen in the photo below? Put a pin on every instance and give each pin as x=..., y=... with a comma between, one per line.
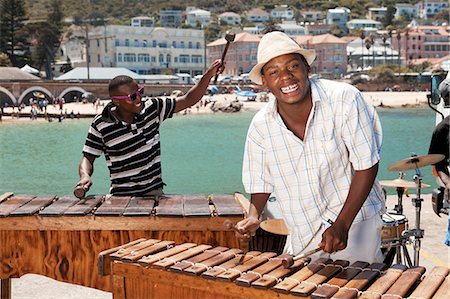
x=61, y=237
x=162, y=269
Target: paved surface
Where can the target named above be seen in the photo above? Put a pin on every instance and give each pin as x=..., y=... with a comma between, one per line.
x=433, y=253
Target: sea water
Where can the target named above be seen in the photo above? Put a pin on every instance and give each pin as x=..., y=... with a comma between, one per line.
x=200, y=153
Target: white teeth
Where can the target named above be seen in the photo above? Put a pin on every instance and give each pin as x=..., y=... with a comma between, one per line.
x=289, y=88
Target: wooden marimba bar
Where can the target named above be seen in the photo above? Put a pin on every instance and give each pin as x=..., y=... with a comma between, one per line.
x=62, y=237
x=162, y=269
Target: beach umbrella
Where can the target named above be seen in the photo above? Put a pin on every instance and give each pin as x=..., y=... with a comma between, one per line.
x=246, y=93
x=38, y=95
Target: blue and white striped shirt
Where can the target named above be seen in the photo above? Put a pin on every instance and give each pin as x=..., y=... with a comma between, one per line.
x=311, y=177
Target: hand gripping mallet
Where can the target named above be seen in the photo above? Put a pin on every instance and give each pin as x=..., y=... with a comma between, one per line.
x=289, y=261
x=230, y=225
x=229, y=37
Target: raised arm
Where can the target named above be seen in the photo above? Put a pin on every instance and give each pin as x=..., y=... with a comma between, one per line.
x=198, y=90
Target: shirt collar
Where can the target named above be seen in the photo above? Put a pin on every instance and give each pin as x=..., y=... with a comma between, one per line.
x=108, y=116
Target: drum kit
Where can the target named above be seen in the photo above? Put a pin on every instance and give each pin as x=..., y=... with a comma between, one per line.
x=395, y=231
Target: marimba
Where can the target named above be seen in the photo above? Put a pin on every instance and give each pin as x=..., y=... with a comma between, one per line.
x=62, y=237
x=162, y=269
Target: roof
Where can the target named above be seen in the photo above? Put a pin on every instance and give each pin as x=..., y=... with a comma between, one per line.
x=240, y=37
x=257, y=12
x=15, y=74
x=97, y=73
x=229, y=14
x=318, y=39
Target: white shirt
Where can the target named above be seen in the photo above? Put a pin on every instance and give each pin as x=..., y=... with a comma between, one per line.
x=311, y=177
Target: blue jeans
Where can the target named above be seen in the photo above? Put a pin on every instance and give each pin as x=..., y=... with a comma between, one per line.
x=447, y=236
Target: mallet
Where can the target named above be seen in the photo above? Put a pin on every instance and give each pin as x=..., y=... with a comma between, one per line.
x=229, y=37
x=79, y=192
x=230, y=225
x=289, y=261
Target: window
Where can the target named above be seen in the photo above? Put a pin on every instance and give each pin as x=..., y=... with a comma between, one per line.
x=182, y=44
x=198, y=46
x=127, y=42
x=98, y=57
x=143, y=58
x=168, y=58
x=154, y=44
x=136, y=43
x=117, y=42
x=174, y=44
x=144, y=43
x=119, y=57
x=184, y=59
x=197, y=59
x=190, y=45
x=98, y=43
x=161, y=58
x=129, y=57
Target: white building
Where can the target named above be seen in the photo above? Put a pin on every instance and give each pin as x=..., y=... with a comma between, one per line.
x=230, y=18
x=292, y=28
x=198, y=17
x=406, y=9
x=429, y=8
x=142, y=22
x=366, y=24
x=312, y=16
x=257, y=15
x=148, y=50
x=282, y=12
x=338, y=16
x=376, y=13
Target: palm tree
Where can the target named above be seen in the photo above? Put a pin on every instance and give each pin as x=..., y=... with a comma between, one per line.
x=369, y=44
x=384, y=38
x=362, y=35
x=399, y=37
x=406, y=45
x=390, y=29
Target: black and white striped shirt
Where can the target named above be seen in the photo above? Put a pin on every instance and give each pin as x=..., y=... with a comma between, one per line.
x=132, y=151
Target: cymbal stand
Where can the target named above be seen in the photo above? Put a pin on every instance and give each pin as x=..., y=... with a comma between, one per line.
x=398, y=208
x=417, y=233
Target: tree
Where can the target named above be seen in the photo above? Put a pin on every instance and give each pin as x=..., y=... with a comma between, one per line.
x=46, y=38
x=388, y=16
x=12, y=17
x=4, y=60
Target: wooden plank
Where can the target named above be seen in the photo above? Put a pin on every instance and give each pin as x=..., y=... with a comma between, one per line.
x=170, y=205
x=226, y=205
x=113, y=206
x=430, y=283
x=196, y=205
x=5, y=288
x=140, y=206
x=104, y=258
x=33, y=206
x=5, y=196
x=381, y=285
x=59, y=206
x=13, y=203
x=442, y=292
x=84, y=206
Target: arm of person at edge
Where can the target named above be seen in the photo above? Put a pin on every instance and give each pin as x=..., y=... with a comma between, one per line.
x=335, y=237
x=85, y=171
x=196, y=93
x=247, y=228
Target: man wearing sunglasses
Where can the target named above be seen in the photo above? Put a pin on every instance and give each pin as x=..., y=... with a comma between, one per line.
x=127, y=133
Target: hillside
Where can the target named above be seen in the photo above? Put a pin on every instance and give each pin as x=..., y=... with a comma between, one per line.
x=120, y=11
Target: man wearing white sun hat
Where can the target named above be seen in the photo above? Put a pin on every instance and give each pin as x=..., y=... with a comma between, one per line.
x=316, y=148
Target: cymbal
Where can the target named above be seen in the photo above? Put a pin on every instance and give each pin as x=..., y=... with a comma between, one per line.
x=401, y=183
x=413, y=162
x=275, y=226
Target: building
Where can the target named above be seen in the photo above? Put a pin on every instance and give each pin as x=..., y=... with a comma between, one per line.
x=317, y=29
x=292, y=28
x=338, y=16
x=170, y=18
x=257, y=15
x=229, y=18
x=430, y=8
x=424, y=42
x=366, y=24
x=331, y=54
x=142, y=22
x=198, y=18
x=360, y=58
x=376, y=13
x=241, y=55
x=148, y=50
x=312, y=16
x=282, y=12
x=410, y=11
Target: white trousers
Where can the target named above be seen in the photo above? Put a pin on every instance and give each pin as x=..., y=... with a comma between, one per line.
x=364, y=243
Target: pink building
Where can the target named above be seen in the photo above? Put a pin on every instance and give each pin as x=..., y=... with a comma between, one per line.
x=331, y=51
x=423, y=42
x=331, y=61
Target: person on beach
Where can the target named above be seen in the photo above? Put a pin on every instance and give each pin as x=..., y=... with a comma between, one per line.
x=316, y=149
x=440, y=145
x=127, y=133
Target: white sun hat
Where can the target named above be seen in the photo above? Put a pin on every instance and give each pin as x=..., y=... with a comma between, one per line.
x=274, y=44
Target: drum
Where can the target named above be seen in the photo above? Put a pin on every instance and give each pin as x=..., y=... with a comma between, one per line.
x=163, y=269
x=393, y=226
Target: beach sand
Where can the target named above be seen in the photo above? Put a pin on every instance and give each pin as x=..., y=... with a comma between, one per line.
x=387, y=99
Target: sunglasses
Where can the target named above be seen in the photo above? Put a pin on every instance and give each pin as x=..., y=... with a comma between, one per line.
x=132, y=96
